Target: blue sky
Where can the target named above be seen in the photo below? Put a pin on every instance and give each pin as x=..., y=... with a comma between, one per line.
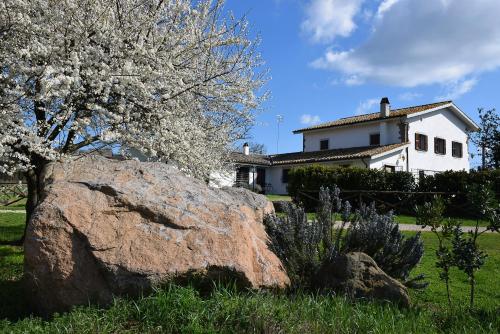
x=336, y=58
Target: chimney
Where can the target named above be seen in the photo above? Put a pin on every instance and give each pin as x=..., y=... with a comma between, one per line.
x=385, y=107
x=246, y=149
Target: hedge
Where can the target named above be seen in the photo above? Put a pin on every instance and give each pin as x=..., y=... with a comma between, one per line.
x=304, y=184
x=459, y=182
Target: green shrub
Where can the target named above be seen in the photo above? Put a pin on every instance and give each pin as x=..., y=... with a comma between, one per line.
x=305, y=246
x=460, y=183
x=304, y=183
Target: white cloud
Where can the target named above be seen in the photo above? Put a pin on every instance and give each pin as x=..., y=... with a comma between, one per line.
x=366, y=107
x=409, y=96
x=384, y=6
x=457, y=89
x=419, y=42
x=307, y=119
x=327, y=19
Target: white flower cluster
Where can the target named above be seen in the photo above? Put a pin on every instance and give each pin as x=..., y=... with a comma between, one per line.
x=172, y=79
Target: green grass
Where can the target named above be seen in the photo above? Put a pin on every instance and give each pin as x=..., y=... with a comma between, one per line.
x=278, y=197
x=18, y=205
x=182, y=310
x=12, y=304
x=404, y=219
x=16, y=208
x=11, y=225
x=488, y=278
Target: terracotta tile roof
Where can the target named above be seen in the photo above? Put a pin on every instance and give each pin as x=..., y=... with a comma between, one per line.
x=332, y=155
x=374, y=116
x=251, y=159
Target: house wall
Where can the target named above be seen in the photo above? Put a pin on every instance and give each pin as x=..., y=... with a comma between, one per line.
x=353, y=135
x=396, y=159
x=274, y=174
x=443, y=124
x=221, y=179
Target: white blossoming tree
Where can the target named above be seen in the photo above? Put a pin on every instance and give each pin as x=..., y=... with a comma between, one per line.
x=176, y=79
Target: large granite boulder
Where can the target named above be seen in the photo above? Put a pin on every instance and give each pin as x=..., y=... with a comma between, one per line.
x=357, y=275
x=106, y=228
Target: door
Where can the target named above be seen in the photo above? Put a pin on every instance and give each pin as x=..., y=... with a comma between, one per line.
x=261, y=178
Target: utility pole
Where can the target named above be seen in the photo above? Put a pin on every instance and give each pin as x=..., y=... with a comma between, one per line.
x=279, y=120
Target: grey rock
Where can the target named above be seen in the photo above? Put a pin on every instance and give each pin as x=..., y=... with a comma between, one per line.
x=357, y=275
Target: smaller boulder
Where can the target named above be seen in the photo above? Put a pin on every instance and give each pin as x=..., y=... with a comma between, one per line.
x=357, y=275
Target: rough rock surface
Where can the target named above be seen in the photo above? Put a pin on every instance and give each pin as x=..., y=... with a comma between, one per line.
x=357, y=275
x=107, y=228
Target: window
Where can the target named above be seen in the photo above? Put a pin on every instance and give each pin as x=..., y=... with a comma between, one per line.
x=375, y=139
x=421, y=174
x=439, y=146
x=390, y=169
x=242, y=176
x=323, y=144
x=420, y=142
x=284, y=176
x=456, y=149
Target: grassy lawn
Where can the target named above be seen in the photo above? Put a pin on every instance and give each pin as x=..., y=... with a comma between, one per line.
x=488, y=278
x=278, y=197
x=403, y=219
x=13, y=207
x=182, y=310
x=17, y=205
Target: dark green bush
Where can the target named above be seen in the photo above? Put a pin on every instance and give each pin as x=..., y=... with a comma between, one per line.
x=304, y=183
x=459, y=184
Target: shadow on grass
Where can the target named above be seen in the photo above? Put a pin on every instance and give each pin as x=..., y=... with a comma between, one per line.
x=14, y=304
x=10, y=233
x=13, y=301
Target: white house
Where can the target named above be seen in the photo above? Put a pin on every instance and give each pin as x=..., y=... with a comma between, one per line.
x=423, y=139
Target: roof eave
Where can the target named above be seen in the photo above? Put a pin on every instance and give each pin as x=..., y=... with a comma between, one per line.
x=348, y=124
x=463, y=116
x=308, y=161
x=379, y=155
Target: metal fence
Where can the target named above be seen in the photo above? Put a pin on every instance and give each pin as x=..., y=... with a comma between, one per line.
x=12, y=193
x=401, y=202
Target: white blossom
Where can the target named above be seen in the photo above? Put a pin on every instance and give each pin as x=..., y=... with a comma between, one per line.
x=175, y=79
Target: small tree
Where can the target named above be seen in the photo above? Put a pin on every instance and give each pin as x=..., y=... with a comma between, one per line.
x=177, y=80
x=468, y=257
x=431, y=214
x=257, y=148
x=487, y=138
x=467, y=254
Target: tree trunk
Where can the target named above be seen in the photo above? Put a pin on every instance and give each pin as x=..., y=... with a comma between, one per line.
x=34, y=193
x=472, y=288
x=448, y=292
